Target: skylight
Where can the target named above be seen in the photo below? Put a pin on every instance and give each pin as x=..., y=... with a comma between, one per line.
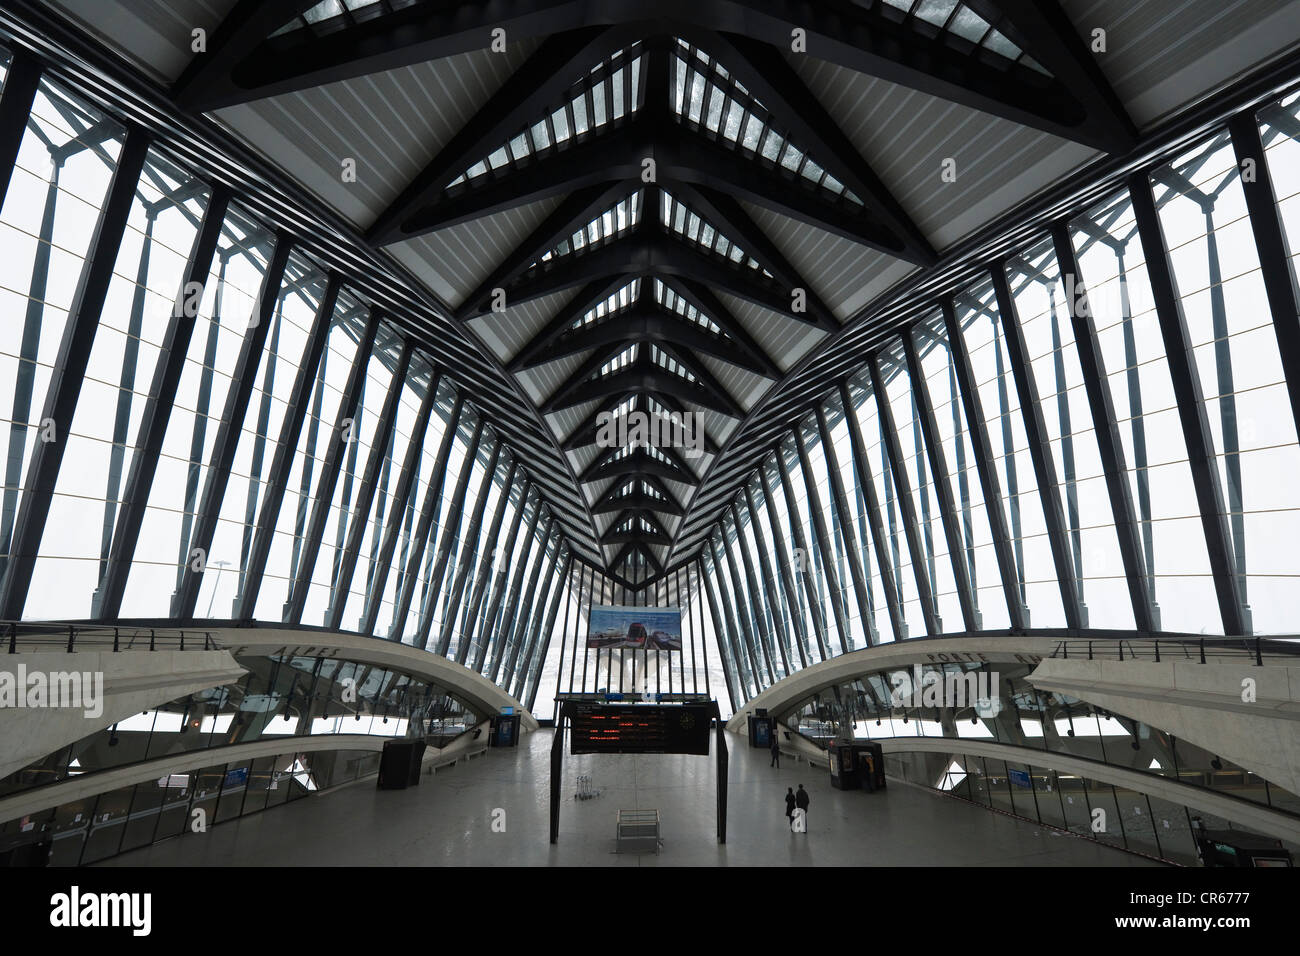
x=614, y=221
x=685, y=222
x=666, y=361
x=606, y=95
x=673, y=302
x=705, y=95
x=621, y=360
x=958, y=20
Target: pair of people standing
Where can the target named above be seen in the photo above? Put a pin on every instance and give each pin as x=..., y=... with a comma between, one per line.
x=797, y=801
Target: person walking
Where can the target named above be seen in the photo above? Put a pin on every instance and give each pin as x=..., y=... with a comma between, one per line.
x=789, y=806
x=776, y=753
x=801, y=800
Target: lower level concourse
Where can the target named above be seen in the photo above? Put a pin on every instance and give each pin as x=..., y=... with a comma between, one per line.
x=447, y=820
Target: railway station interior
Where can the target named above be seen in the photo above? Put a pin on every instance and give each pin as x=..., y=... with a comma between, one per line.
x=497, y=433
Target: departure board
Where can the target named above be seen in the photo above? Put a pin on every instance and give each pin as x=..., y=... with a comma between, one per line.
x=644, y=729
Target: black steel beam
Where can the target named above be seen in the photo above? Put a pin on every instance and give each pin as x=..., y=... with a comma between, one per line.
x=1040, y=450
x=157, y=410
x=22, y=79
x=906, y=504
x=501, y=571
x=530, y=602
x=502, y=635
x=1042, y=29
x=781, y=558
x=982, y=451
x=338, y=445
x=942, y=484
x=469, y=545
x=803, y=566
x=824, y=543
x=1106, y=425
x=726, y=644
x=573, y=214
x=604, y=505
x=757, y=607
x=769, y=77
x=342, y=582
x=69, y=371
x=228, y=433
x=702, y=297
x=737, y=629
x=642, y=375
x=593, y=163
x=638, y=463
x=582, y=302
x=648, y=324
x=1191, y=407
x=533, y=680
x=646, y=251
x=604, y=418
x=484, y=577
x=769, y=579
x=1273, y=250
x=244, y=62
x=428, y=524
x=862, y=470
x=840, y=500
x=528, y=661
x=400, y=501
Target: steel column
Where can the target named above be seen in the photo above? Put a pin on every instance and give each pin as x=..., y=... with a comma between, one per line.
x=1191, y=407
x=1109, y=443
x=1040, y=452
x=942, y=485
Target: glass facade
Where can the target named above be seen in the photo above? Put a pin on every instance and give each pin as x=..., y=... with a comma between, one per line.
x=1020, y=456
x=994, y=702
x=249, y=439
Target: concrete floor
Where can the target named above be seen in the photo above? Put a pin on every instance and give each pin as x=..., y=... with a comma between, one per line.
x=447, y=821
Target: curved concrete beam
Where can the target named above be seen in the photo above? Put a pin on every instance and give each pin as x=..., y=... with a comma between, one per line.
x=1246, y=713
x=132, y=681
x=88, y=785
x=1253, y=815
x=473, y=688
x=995, y=649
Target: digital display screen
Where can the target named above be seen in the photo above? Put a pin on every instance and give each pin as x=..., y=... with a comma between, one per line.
x=640, y=628
x=633, y=729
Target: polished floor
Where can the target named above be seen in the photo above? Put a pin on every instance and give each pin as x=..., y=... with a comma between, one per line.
x=448, y=820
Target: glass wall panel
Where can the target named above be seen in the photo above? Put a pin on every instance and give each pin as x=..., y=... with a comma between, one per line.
x=225, y=316
x=292, y=320
x=1212, y=252
x=346, y=329
x=915, y=467
x=101, y=442
x=360, y=435
x=930, y=338
x=982, y=332
x=872, y=426
x=1042, y=307
x=64, y=166
x=1113, y=265
x=415, y=387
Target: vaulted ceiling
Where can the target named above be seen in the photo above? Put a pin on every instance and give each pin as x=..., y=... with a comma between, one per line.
x=651, y=214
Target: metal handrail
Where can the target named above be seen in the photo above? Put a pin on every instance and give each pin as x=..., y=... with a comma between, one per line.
x=1202, y=650
x=71, y=635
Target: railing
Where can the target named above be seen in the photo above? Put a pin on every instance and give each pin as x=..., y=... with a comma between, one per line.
x=1200, y=650
x=72, y=636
